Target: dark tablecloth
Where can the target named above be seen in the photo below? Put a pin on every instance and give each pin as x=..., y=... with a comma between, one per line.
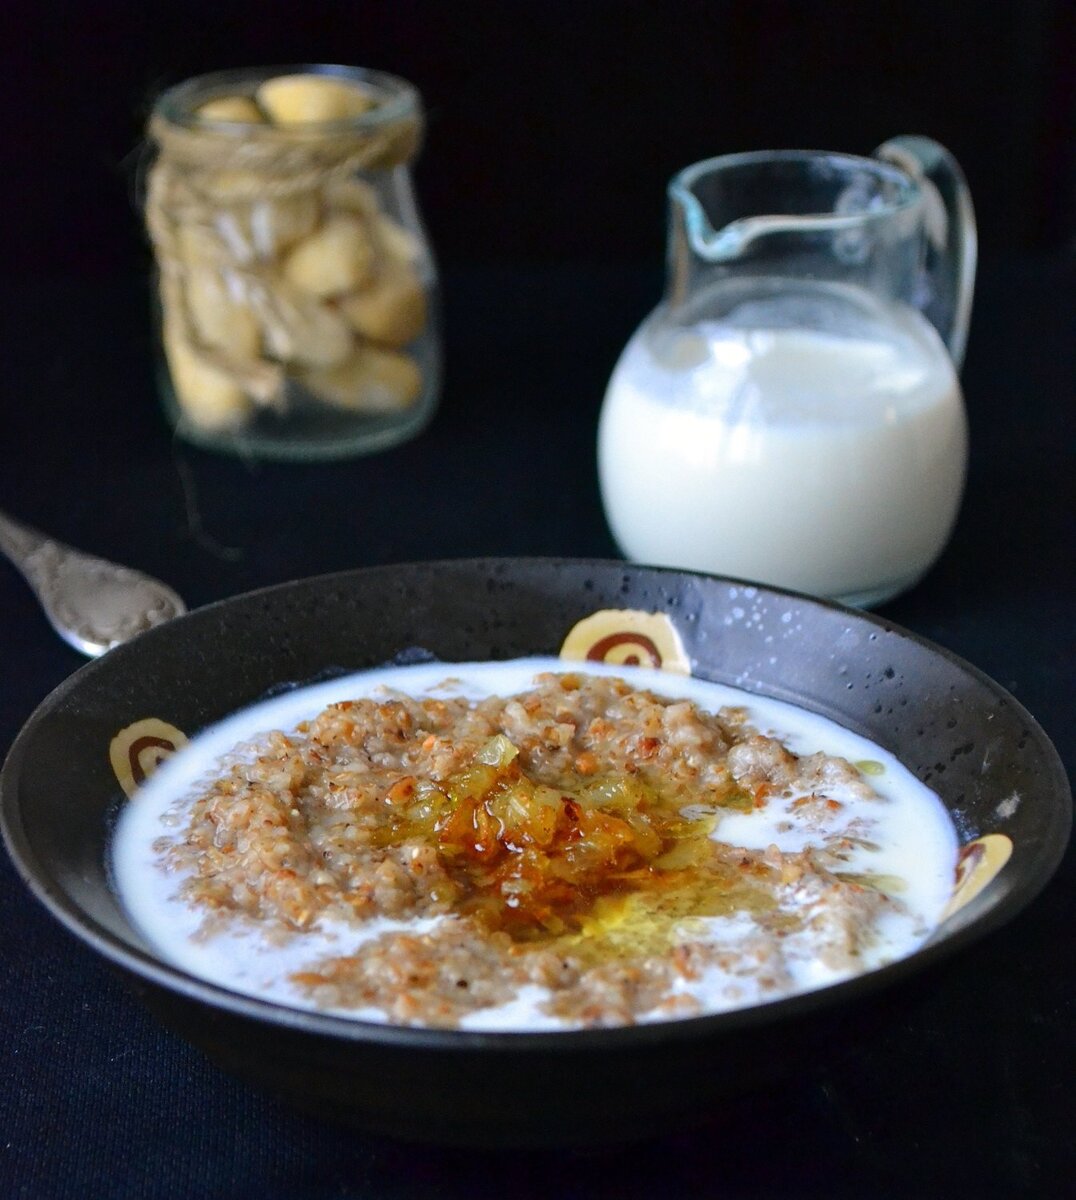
x=971, y=1093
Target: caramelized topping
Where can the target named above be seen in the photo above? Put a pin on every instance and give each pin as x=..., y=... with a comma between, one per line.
x=540, y=862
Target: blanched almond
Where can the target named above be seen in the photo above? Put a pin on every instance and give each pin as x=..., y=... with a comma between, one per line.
x=391, y=239
x=232, y=108
x=353, y=195
x=277, y=224
x=371, y=381
x=209, y=398
x=391, y=310
x=199, y=244
x=395, y=241
x=300, y=329
x=300, y=99
x=337, y=258
x=219, y=319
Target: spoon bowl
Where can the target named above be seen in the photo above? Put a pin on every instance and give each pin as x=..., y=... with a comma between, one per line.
x=93, y=604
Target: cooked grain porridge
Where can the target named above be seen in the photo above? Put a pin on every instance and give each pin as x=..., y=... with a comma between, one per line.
x=522, y=845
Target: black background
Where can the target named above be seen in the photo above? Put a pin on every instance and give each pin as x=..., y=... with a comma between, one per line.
x=553, y=126
x=553, y=129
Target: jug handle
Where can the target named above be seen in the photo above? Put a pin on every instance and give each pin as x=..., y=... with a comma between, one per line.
x=951, y=239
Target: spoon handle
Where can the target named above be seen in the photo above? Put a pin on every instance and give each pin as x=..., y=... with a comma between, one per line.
x=92, y=603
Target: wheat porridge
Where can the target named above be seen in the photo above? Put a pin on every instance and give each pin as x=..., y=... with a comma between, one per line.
x=526, y=846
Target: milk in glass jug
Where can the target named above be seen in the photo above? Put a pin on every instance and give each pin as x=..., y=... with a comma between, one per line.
x=790, y=413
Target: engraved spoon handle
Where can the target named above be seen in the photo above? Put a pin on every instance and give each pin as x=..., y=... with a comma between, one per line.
x=92, y=603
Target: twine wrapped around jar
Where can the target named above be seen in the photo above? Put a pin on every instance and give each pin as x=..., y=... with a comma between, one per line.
x=278, y=263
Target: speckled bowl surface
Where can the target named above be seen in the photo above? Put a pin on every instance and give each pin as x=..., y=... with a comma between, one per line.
x=958, y=731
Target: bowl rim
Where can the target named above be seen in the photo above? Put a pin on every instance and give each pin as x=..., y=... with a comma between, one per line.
x=155, y=971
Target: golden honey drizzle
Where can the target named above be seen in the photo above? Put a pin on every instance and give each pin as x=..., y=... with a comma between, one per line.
x=603, y=867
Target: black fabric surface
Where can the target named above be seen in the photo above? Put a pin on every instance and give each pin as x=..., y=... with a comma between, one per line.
x=969, y=1094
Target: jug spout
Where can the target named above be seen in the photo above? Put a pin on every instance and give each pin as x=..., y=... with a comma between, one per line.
x=898, y=227
x=733, y=240
x=695, y=244
x=798, y=213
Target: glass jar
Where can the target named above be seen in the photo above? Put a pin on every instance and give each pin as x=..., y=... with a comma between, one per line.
x=296, y=286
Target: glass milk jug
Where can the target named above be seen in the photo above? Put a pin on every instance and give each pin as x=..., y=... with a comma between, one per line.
x=790, y=413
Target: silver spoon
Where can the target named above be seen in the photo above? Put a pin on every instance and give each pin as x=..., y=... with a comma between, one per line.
x=92, y=603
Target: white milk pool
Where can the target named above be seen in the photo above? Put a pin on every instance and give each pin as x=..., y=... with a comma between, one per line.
x=914, y=842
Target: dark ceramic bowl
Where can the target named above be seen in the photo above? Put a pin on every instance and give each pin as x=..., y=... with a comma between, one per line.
x=992, y=765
